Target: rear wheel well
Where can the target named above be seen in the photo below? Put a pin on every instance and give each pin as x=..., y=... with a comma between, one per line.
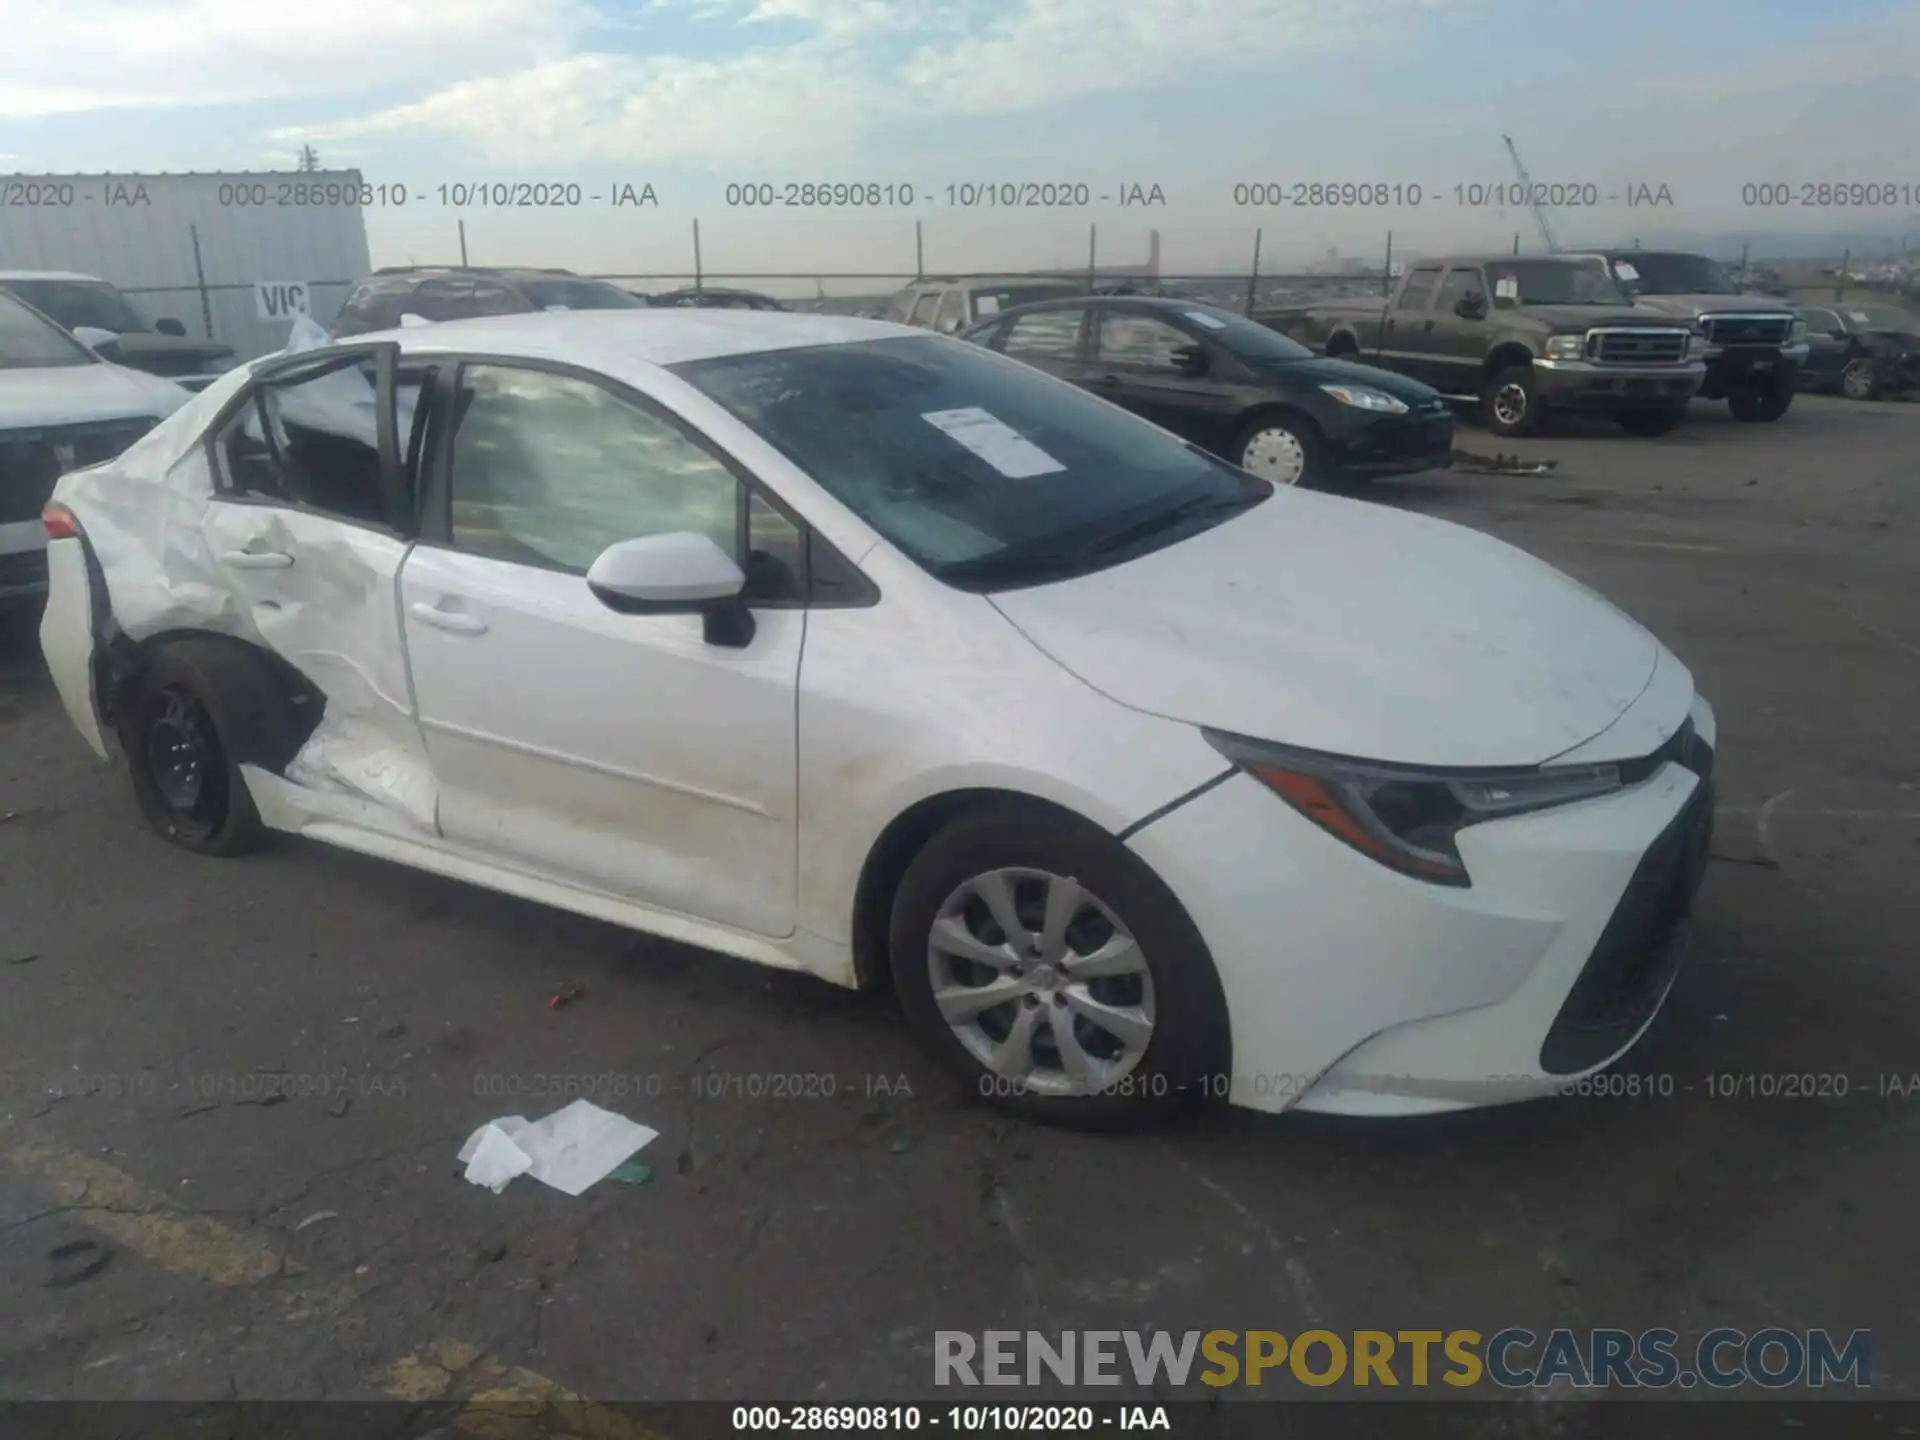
x=274, y=731
x=894, y=851
x=1504, y=356
x=1342, y=342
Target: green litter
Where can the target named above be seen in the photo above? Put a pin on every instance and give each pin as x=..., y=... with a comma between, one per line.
x=632, y=1173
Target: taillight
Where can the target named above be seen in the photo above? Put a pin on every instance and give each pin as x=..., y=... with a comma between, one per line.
x=60, y=523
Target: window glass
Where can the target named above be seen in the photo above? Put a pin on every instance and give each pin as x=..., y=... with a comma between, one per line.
x=313, y=443
x=439, y=300
x=774, y=560
x=1419, y=288
x=485, y=297
x=28, y=342
x=923, y=309
x=578, y=294
x=1140, y=342
x=1459, y=284
x=549, y=471
x=1821, y=322
x=82, y=302
x=953, y=310
x=1048, y=335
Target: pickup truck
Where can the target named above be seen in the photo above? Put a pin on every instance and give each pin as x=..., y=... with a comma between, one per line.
x=1520, y=338
x=1755, y=344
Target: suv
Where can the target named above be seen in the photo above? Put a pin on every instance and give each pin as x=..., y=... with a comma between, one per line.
x=1755, y=344
x=951, y=303
x=62, y=408
x=460, y=292
x=119, y=331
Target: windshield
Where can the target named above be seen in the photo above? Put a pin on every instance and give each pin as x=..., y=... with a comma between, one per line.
x=82, y=302
x=974, y=465
x=28, y=342
x=992, y=299
x=579, y=295
x=1248, y=339
x=1553, y=282
x=1881, y=317
x=1675, y=274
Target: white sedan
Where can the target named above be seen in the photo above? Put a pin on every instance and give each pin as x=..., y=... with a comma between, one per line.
x=849, y=649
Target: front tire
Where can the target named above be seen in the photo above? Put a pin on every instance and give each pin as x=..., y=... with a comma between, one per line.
x=1760, y=407
x=1859, y=381
x=1510, y=404
x=1651, y=422
x=1282, y=449
x=1054, y=973
x=184, y=777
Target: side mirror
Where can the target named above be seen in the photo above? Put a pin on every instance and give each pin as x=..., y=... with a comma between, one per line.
x=172, y=327
x=1191, y=361
x=1471, y=306
x=676, y=574
x=101, y=342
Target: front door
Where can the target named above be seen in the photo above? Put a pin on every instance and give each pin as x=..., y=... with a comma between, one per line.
x=1048, y=340
x=311, y=520
x=1457, y=344
x=1140, y=361
x=623, y=753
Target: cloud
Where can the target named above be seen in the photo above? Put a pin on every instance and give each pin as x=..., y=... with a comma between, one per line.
x=82, y=55
x=862, y=66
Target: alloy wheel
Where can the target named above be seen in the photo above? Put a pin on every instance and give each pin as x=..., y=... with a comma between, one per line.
x=1856, y=381
x=1041, y=981
x=1510, y=404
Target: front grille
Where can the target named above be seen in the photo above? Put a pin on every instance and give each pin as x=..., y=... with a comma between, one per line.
x=1638, y=347
x=1631, y=964
x=1747, y=329
x=32, y=461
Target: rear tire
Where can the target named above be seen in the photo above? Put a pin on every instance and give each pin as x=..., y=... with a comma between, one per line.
x=1112, y=1015
x=1651, y=422
x=1510, y=403
x=175, y=725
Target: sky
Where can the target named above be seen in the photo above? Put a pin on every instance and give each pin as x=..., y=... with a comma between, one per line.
x=1199, y=98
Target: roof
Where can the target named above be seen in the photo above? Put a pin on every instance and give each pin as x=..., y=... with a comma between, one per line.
x=646, y=336
x=982, y=281
x=512, y=272
x=6, y=275
x=1111, y=302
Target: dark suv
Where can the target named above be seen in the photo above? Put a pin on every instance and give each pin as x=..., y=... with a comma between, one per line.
x=456, y=292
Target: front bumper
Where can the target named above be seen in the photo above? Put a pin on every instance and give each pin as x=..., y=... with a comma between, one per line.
x=1353, y=989
x=1750, y=367
x=1363, y=444
x=23, y=572
x=1584, y=385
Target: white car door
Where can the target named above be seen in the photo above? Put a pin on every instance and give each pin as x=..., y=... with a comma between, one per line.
x=629, y=754
x=310, y=520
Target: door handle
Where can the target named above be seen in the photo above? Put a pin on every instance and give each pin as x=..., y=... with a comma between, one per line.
x=256, y=559
x=451, y=620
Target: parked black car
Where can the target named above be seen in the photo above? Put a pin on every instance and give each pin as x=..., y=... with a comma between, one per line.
x=709, y=298
x=1229, y=384
x=1861, y=349
x=459, y=292
x=86, y=302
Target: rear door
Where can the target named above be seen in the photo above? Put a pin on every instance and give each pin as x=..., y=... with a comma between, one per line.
x=1138, y=360
x=1829, y=346
x=312, y=515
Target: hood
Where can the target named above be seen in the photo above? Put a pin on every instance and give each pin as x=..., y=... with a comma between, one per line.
x=1685, y=307
x=1345, y=627
x=75, y=394
x=1346, y=372
x=138, y=345
x=1565, y=318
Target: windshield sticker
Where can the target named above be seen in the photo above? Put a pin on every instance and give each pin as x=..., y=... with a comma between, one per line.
x=1212, y=322
x=995, y=442
x=1625, y=271
x=1859, y=317
x=1507, y=287
x=987, y=304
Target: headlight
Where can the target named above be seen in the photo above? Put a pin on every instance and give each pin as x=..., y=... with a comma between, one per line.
x=1798, y=333
x=1566, y=347
x=1361, y=397
x=1404, y=817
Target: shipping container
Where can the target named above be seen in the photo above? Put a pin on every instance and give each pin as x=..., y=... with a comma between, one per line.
x=198, y=247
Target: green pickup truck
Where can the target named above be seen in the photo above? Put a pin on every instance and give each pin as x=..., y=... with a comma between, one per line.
x=1520, y=337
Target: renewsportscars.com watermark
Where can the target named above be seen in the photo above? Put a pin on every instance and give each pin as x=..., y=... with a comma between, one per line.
x=1512, y=1359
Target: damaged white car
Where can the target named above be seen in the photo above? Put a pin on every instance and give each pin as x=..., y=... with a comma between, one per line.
x=848, y=649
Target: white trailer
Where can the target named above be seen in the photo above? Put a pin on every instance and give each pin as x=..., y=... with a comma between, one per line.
x=230, y=254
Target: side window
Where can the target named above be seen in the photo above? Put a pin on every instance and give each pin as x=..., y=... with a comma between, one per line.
x=1460, y=283
x=1418, y=290
x=1821, y=322
x=549, y=471
x=1047, y=335
x=438, y=300
x=488, y=298
x=900, y=307
x=923, y=309
x=312, y=444
x=952, y=313
x=776, y=561
x=1140, y=342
